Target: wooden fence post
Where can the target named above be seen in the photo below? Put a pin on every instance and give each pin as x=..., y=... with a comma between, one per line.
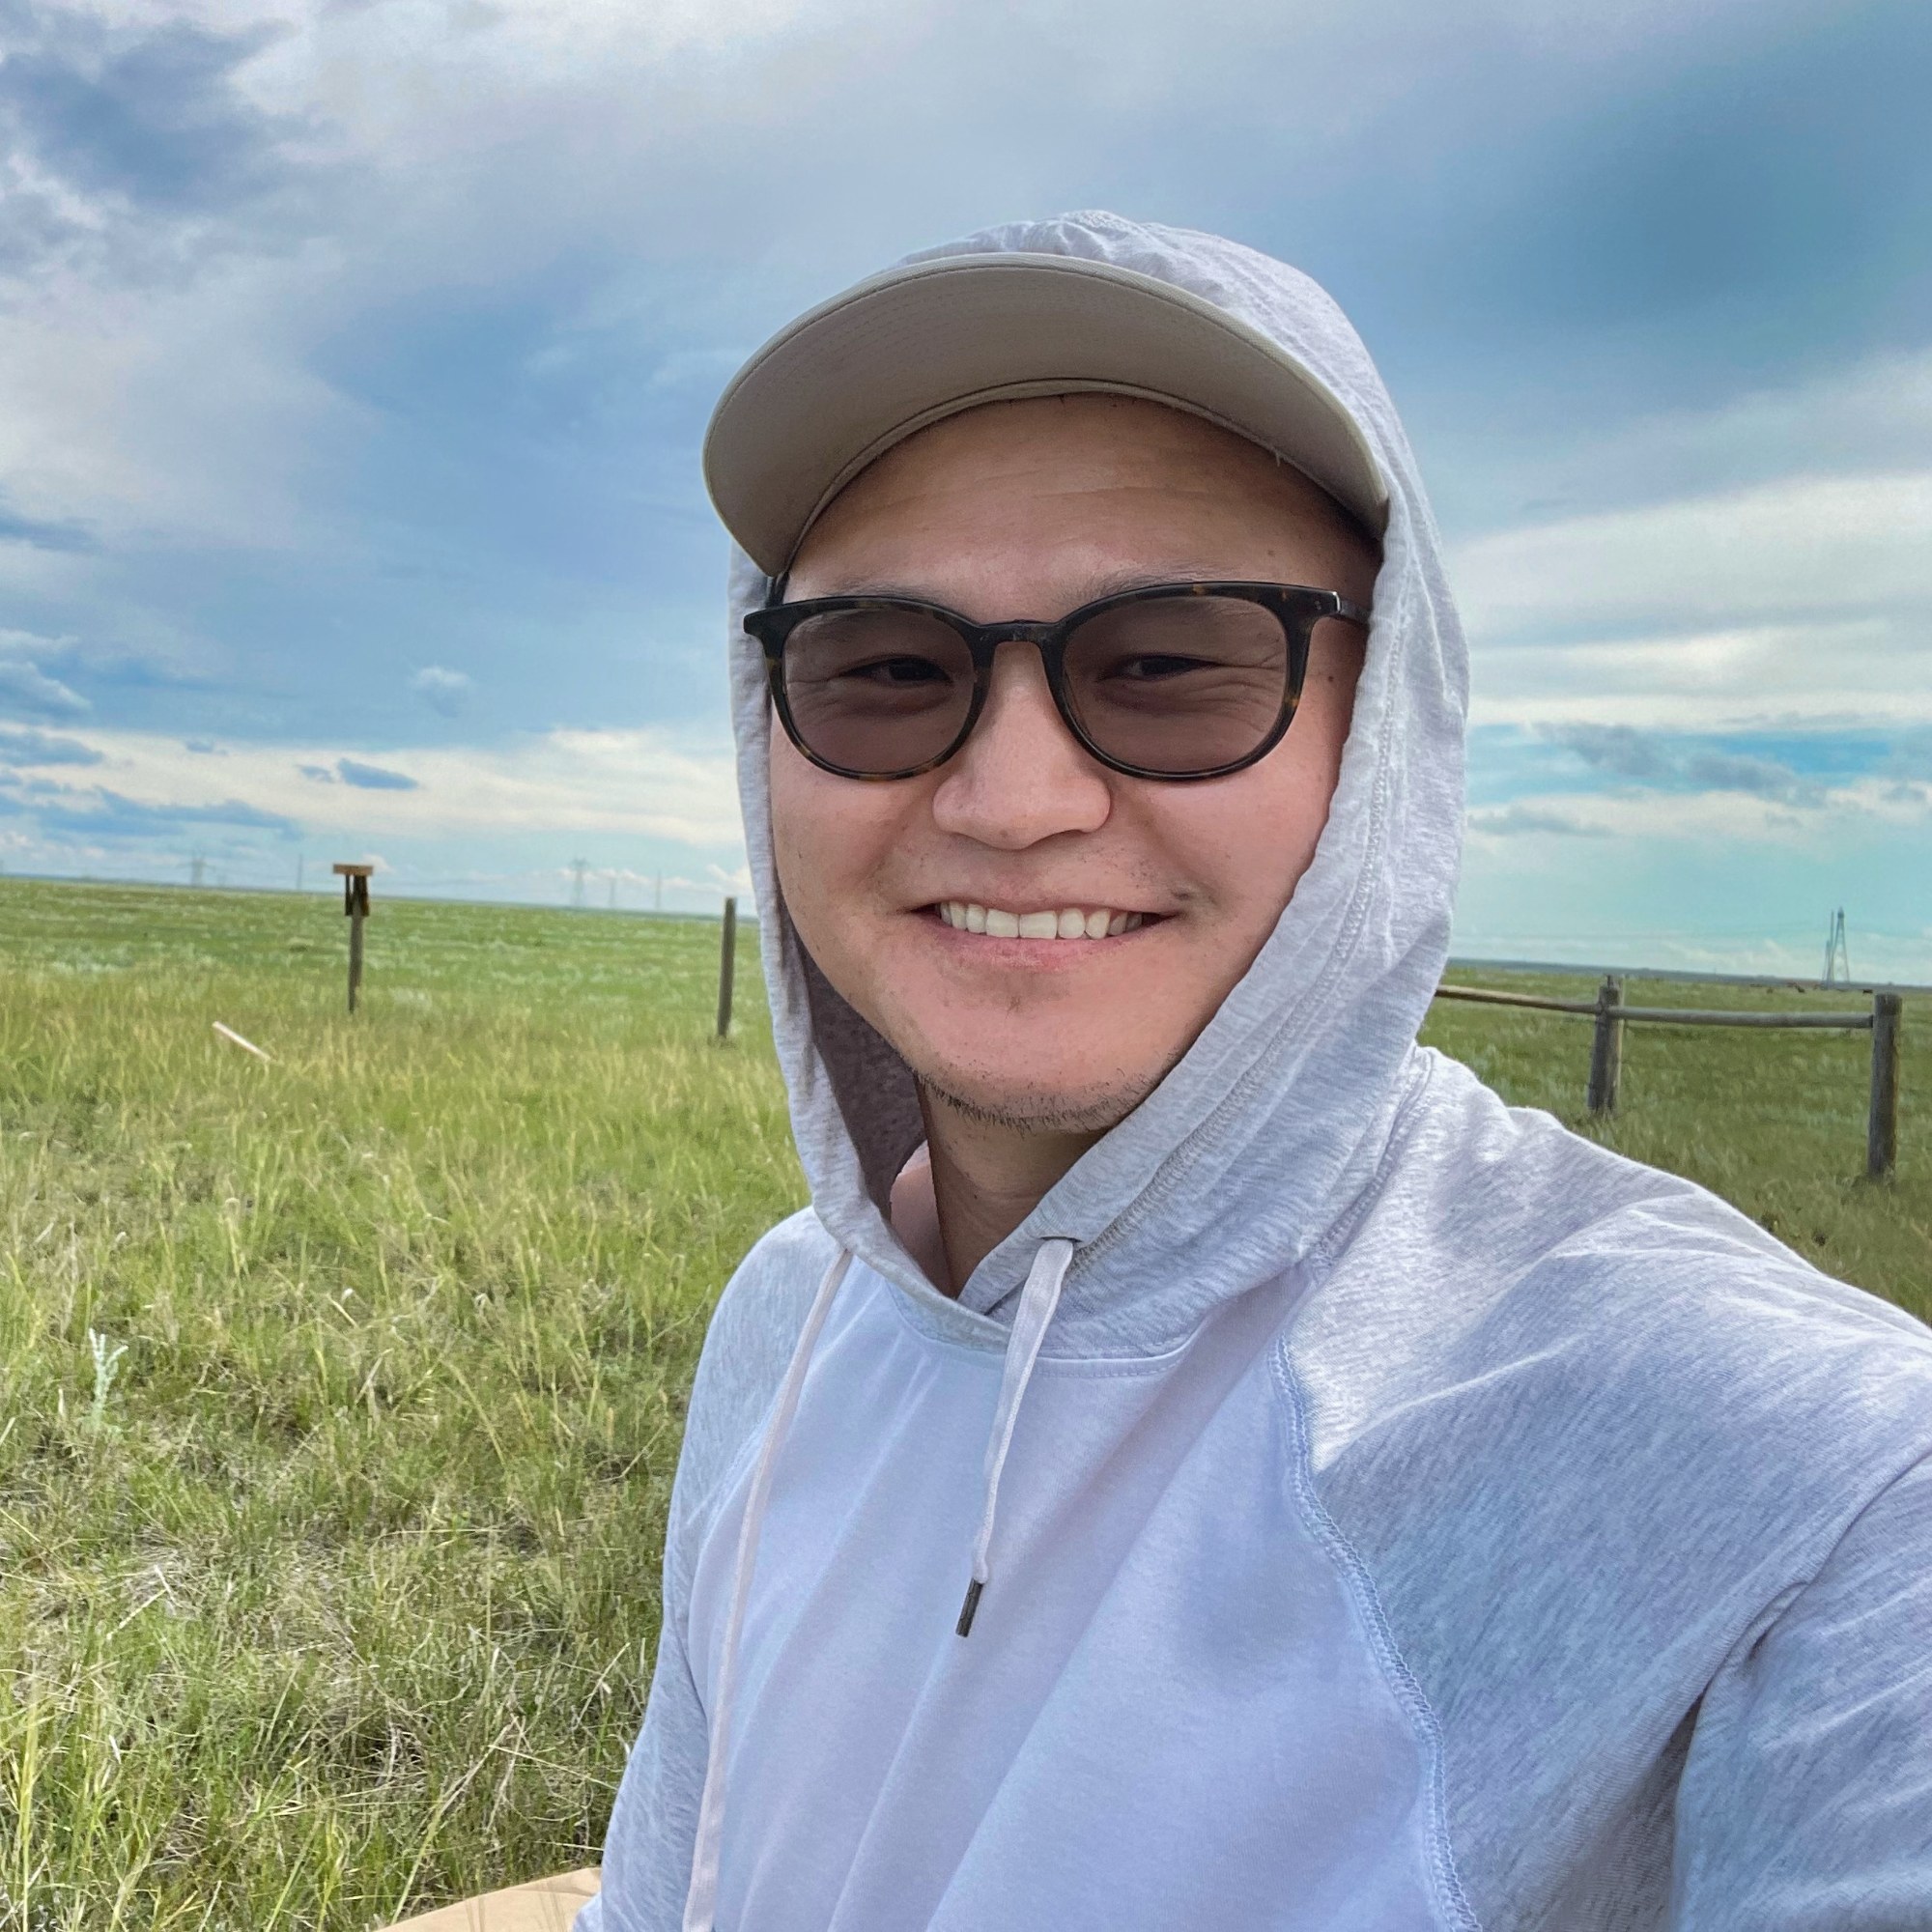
x=1881, y=1123
x=1606, y=1047
x=355, y=904
x=728, y=960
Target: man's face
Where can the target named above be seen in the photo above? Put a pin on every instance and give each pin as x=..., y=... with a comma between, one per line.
x=1025, y=510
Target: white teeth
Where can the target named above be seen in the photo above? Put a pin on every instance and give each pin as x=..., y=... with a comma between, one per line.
x=1069, y=922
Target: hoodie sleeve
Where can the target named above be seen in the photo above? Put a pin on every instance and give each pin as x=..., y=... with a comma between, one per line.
x=653, y=1829
x=654, y=1824
x=1805, y=1801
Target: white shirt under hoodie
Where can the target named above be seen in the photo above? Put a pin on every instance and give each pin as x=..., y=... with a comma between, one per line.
x=1392, y=1509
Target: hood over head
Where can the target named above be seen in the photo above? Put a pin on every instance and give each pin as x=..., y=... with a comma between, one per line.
x=1252, y=1147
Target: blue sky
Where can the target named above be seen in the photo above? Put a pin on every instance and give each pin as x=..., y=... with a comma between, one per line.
x=355, y=354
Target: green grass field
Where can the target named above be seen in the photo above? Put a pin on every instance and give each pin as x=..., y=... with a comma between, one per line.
x=342, y=1394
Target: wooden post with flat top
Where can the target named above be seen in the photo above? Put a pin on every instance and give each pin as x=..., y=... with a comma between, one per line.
x=355, y=905
x=1882, y=1121
x=728, y=960
x=1606, y=1047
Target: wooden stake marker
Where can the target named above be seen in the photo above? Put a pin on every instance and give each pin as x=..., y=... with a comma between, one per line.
x=355, y=905
x=1881, y=1123
x=728, y=960
x=1606, y=1047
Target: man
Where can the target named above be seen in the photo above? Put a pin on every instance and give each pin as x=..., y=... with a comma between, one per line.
x=1202, y=1460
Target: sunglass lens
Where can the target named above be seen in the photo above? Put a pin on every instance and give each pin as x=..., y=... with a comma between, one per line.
x=877, y=691
x=1180, y=684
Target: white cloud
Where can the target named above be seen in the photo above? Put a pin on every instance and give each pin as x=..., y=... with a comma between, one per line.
x=1829, y=546
x=24, y=685
x=1805, y=598
x=1870, y=416
x=640, y=784
x=176, y=414
x=1859, y=673
x=1712, y=817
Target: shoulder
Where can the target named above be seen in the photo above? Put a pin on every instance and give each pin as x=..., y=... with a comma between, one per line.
x=1589, y=1434
x=753, y=1332
x=1601, y=1320
x=1525, y=1216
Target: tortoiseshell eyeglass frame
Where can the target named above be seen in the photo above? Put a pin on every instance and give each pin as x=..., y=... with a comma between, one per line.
x=1296, y=606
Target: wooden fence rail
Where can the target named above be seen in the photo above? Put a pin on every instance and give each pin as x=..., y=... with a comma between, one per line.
x=1606, y=1047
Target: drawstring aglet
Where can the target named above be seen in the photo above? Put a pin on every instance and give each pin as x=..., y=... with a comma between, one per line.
x=966, y=1609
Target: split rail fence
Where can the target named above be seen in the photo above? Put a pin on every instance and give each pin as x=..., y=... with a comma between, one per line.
x=1607, y=1047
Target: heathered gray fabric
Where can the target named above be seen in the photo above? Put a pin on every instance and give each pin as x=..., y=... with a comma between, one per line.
x=1633, y=1505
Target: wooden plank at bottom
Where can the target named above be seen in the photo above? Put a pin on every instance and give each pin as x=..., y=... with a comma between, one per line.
x=544, y=1905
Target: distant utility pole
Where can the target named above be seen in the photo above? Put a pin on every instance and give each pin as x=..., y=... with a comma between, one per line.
x=197, y=870
x=1837, y=958
x=298, y=871
x=658, y=895
x=613, y=892
x=579, y=866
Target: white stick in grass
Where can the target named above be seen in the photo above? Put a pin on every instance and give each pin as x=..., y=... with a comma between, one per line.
x=229, y=1033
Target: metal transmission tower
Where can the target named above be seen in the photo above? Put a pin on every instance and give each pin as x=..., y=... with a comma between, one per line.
x=577, y=866
x=658, y=897
x=1837, y=959
x=613, y=892
x=197, y=872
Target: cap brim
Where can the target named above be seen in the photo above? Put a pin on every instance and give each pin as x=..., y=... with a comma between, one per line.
x=842, y=384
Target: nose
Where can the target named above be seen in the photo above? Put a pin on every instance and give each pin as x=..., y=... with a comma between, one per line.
x=1021, y=776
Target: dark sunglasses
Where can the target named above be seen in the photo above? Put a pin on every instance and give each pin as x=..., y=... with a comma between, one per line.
x=1175, y=681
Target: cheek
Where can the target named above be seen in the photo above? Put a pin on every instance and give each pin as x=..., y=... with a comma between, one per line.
x=1246, y=840
x=802, y=842
x=1299, y=777
x=829, y=837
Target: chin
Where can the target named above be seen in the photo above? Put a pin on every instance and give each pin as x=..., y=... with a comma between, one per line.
x=1026, y=1103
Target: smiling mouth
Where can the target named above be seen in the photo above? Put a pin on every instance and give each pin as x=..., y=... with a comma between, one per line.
x=1064, y=922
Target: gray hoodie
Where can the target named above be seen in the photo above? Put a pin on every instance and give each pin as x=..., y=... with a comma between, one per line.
x=1392, y=1509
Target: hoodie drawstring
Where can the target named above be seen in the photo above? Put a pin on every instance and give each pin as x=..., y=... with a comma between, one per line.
x=700, y=1902
x=1038, y=1302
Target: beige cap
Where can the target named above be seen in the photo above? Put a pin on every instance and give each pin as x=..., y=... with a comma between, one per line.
x=842, y=384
